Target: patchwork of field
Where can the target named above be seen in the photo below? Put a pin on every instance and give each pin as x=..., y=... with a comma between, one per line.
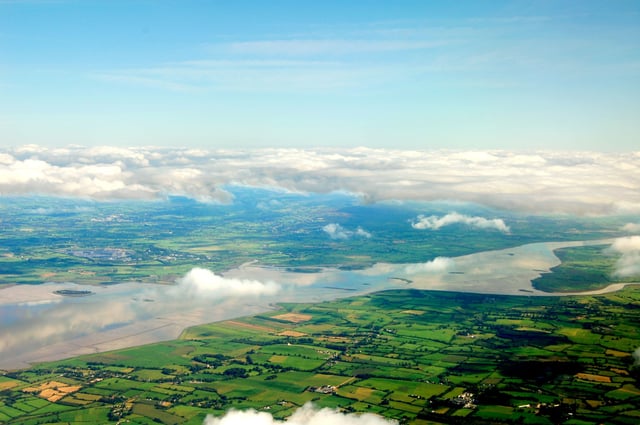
x=584, y=267
x=416, y=356
x=66, y=240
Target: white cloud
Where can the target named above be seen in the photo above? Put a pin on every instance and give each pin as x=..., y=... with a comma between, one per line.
x=336, y=231
x=629, y=262
x=541, y=182
x=631, y=227
x=362, y=233
x=306, y=415
x=434, y=222
x=437, y=265
x=203, y=283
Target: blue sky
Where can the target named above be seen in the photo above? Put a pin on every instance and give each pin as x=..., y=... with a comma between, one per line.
x=389, y=74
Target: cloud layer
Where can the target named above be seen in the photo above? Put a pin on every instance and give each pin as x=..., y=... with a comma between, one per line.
x=434, y=222
x=306, y=415
x=553, y=182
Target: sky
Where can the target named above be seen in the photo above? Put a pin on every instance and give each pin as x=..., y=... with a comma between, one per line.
x=516, y=75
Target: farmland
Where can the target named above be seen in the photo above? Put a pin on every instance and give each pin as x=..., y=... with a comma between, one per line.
x=413, y=355
x=71, y=240
x=585, y=267
x=416, y=356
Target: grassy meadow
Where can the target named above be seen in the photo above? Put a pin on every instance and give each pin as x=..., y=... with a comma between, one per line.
x=415, y=356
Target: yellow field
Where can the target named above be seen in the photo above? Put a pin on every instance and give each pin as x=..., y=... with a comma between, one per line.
x=413, y=312
x=53, y=390
x=6, y=385
x=278, y=358
x=619, y=371
x=616, y=353
x=294, y=334
x=363, y=393
x=591, y=377
x=293, y=317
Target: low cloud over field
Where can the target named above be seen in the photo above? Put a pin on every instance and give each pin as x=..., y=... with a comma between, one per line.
x=631, y=227
x=336, y=231
x=554, y=182
x=437, y=265
x=435, y=223
x=629, y=262
x=203, y=283
x=306, y=415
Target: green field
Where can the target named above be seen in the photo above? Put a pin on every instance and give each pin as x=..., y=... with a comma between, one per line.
x=584, y=268
x=416, y=356
x=66, y=240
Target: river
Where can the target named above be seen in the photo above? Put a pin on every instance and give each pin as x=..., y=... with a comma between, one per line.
x=39, y=324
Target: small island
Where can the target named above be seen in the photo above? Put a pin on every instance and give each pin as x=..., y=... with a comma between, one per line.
x=73, y=293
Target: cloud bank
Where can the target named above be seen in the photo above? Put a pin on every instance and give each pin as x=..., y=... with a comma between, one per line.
x=336, y=231
x=542, y=182
x=434, y=222
x=629, y=262
x=202, y=283
x=306, y=415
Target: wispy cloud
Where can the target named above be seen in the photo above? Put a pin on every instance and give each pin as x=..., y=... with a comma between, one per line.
x=435, y=223
x=551, y=182
x=328, y=47
x=146, y=78
x=293, y=62
x=495, y=52
x=254, y=76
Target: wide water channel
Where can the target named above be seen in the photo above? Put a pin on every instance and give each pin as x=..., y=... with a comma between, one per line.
x=38, y=323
